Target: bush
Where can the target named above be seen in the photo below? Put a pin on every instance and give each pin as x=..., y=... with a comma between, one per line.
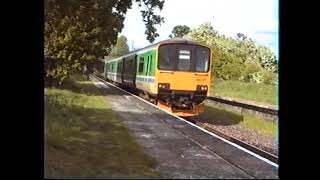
x=269, y=77
x=237, y=58
x=227, y=66
x=232, y=71
x=262, y=76
x=251, y=70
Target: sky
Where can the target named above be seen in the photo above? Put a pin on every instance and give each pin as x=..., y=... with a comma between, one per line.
x=257, y=19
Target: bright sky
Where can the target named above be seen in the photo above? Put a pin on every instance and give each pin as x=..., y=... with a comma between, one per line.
x=257, y=19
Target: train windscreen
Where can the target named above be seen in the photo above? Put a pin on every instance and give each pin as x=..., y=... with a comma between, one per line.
x=184, y=57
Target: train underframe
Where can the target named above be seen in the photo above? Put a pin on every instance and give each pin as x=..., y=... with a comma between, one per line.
x=180, y=103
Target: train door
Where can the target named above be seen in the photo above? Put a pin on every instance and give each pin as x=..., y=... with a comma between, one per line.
x=150, y=66
x=147, y=66
x=135, y=61
x=141, y=64
x=119, y=74
x=107, y=69
x=141, y=61
x=122, y=67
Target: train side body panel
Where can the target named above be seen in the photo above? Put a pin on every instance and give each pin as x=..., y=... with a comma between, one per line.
x=146, y=66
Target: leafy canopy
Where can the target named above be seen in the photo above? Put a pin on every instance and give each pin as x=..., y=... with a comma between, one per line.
x=179, y=31
x=79, y=32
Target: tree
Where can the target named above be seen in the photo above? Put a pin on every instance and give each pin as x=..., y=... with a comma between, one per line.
x=78, y=32
x=179, y=31
x=241, y=36
x=121, y=48
x=237, y=58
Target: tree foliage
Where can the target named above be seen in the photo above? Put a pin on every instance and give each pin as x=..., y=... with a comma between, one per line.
x=121, y=48
x=238, y=58
x=78, y=32
x=179, y=31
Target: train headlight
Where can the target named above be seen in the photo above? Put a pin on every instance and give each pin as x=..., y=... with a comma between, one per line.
x=164, y=85
x=202, y=88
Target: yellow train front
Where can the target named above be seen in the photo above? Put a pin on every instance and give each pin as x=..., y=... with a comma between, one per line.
x=175, y=74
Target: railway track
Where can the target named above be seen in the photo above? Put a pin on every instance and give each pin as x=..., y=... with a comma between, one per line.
x=273, y=112
x=255, y=150
x=245, y=106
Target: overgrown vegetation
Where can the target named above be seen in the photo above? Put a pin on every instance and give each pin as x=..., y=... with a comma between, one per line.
x=263, y=94
x=217, y=116
x=237, y=58
x=84, y=138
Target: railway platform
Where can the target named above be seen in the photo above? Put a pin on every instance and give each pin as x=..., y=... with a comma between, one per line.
x=182, y=149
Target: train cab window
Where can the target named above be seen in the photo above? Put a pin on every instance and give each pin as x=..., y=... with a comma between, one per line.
x=184, y=60
x=166, y=57
x=141, y=64
x=184, y=57
x=202, y=61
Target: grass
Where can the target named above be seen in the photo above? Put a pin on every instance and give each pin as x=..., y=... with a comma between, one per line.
x=260, y=125
x=260, y=93
x=84, y=138
x=226, y=118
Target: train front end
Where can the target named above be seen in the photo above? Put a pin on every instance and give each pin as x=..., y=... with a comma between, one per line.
x=183, y=77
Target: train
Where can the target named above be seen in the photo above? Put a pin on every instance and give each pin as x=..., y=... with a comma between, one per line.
x=174, y=74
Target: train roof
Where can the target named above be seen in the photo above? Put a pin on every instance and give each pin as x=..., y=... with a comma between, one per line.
x=173, y=40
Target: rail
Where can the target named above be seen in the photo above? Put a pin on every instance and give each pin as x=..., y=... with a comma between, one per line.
x=246, y=106
x=243, y=144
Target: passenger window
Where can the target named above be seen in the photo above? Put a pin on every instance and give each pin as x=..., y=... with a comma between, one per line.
x=141, y=64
